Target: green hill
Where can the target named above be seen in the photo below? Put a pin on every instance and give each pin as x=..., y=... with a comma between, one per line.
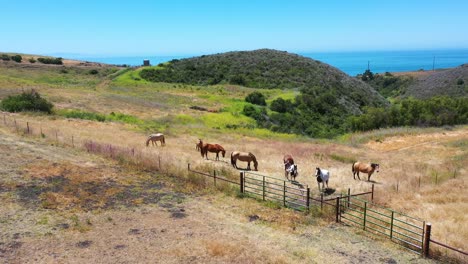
x=269, y=69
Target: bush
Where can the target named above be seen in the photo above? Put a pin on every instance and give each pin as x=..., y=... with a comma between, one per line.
x=32, y=60
x=57, y=61
x=31, y=101
x=17, y=58
x=5, y=57
x=256, y=98
x=93, y=71
x=281, y=106
x=460, y=82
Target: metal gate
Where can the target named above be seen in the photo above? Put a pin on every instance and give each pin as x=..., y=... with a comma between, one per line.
x=288, y=194
x=403, y=229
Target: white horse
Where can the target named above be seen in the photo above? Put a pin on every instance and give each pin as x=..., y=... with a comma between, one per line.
x=322, y=177
x=154, y=138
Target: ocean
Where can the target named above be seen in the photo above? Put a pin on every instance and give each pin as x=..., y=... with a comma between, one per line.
x=349, y=62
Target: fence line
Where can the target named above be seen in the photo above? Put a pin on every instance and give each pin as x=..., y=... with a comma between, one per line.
x=343, y=203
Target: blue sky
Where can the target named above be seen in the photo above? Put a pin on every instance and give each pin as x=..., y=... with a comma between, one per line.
x=176, y=27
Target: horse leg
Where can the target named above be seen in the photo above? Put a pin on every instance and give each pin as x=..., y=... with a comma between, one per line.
x=217, y=155
x=358, y=175
x=248, y=165
x=368, y=176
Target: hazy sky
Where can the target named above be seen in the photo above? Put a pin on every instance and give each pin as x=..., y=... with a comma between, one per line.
x=176, y=27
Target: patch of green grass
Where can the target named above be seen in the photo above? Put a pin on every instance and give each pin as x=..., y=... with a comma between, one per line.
x=342, y=159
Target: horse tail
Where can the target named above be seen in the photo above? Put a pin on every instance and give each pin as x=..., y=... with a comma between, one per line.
x=163, y=140
x=352, y=169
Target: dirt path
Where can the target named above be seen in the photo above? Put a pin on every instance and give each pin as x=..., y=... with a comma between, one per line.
x=119, y=223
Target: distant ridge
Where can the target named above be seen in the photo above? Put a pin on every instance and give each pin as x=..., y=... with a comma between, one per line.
x=269, y=69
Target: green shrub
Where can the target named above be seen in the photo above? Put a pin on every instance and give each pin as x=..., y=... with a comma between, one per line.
x=17, y=58
x=460, y=82
x=93, y=71
x=32, y=60
x=31, y=101
x=5, y=57
x=57, y=61
x=256, y=98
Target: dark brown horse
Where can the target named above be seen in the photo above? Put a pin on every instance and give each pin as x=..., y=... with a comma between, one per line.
x=243, y=156
x=215, y=148
x=289, y=167
x=368, y=168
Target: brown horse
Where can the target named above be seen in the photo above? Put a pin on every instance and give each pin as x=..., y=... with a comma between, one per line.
x=289, y=167
x=243, y=156
x=154, y=138
x=215, y=148
x=366, y=168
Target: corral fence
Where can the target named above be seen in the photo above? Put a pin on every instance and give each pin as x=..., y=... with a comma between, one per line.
x=410, y=232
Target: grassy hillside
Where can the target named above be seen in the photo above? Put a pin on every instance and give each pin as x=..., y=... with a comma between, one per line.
x=450, y=82
x=268, y=69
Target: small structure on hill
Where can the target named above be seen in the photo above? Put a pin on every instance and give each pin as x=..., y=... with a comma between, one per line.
x=146, y=62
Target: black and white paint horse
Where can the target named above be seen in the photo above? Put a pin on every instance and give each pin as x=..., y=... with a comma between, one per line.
x=289, y=167
x=322, y=177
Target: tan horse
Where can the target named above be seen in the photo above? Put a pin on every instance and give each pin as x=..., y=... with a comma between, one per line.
x=289, y=167
x=154, y=138
x=215, y=148
x=368, y=168
x=243, y=156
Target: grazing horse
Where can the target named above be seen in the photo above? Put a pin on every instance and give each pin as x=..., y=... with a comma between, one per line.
x=216, y=148
x=243, y=156
x=289, y=167
x=154, y=138
x=366, y=168
x=322, y=177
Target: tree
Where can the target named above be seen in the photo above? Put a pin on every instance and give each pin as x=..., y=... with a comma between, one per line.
x=256, y=98
x=367, y=76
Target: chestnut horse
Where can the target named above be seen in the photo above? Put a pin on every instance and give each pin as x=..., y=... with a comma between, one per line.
x=366, y=168
x=216, y=148
x=289, y=167
x=243, y=156
x=154, y=138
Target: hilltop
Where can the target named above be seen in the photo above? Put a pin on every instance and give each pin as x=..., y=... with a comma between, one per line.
x=269, y=69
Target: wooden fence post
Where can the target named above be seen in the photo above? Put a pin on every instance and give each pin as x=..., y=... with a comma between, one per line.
x=27, y=127
x=337, y=209
x=4, y=119
x=42, y=134
x=16, y=126
x=188, y=166
x=159, y=162
x=391, y=226
x=372, y=194
x=241, y=179
x=349, y=195
x=308, y=198
x=427, y=239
